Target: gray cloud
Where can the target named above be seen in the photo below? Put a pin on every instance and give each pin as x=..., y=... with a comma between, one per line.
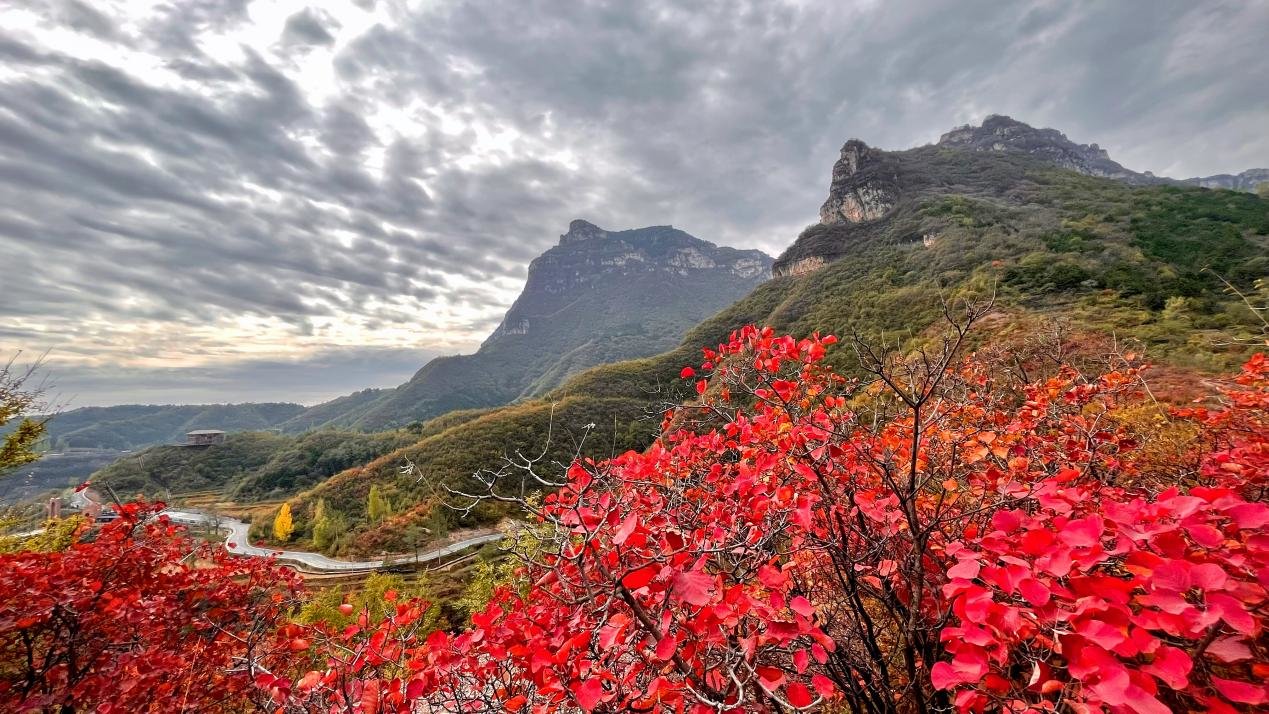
x=202, y=189
x=308, y=27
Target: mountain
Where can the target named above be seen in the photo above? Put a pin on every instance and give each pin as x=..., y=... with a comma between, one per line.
x=1002, y=133
x=598, y=296
x=1108, y=258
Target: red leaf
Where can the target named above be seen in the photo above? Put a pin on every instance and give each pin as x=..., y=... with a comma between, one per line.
x=1241, y=692
x=694, y=587
x=640, y=577
x=1082, y=533
x=1229, y=649
x=588, y=694
x=802, y=606
x=770, y=677
x=666, y=647
x=700, y=386
x=1172, y=666
x=799, y=696
x=627, y=527
x=823, y=685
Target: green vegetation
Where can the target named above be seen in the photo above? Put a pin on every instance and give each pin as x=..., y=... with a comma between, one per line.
x=1139, y=262
x=250, y=466
x=18, y=399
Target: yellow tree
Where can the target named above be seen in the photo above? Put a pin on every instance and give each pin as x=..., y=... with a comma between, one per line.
x=282, y=524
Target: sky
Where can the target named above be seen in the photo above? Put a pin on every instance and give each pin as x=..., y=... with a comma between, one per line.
x=276, y=200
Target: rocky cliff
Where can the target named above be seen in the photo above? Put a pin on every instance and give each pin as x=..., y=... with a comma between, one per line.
x=597, y=296
x=589, y=260
x=1002, y=133
x=864, y=186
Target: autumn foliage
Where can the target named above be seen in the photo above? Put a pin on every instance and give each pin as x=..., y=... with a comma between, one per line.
x=135, y=617
x=938, y=534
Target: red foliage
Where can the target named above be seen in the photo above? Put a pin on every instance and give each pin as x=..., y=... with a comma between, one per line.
x=124, y=621
x=970, y=550
x=938, y=536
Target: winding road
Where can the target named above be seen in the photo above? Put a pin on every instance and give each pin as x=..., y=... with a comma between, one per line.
x=238, y=543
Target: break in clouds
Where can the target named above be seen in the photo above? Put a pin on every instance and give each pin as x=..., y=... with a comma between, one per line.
x=228, y=201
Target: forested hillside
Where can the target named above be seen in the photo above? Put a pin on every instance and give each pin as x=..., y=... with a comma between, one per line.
x=248, y=466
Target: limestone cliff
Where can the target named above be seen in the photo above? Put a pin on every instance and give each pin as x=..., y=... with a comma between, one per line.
x=864, y=187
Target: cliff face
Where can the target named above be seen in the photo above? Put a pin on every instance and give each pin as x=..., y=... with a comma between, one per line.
x=864, y=186
x=597, y=296
x=589, y=260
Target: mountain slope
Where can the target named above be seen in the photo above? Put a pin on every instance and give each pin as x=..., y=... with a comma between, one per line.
x=596, y=297
x=900, y=230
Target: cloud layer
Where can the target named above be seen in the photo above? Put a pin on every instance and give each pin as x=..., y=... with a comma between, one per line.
x=230, y=186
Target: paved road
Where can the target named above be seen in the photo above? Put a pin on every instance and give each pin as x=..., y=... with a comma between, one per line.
x=237, y=542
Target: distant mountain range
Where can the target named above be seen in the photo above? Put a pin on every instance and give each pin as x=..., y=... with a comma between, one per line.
x=133, y=426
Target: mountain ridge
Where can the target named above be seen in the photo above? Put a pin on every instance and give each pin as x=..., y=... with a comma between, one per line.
x=868, y=183
x=596, y=296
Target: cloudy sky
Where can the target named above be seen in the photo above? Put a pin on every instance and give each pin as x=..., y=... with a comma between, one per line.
x=230, y=200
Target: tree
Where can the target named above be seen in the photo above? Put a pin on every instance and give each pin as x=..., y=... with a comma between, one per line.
x=328, y=526
x=18, y=398
x=126, y=621
x=941, y=535
x=377, y=505
x=283, y=526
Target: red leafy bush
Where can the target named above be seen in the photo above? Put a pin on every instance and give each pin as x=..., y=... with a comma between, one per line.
x=135, y=617
x=938, y=536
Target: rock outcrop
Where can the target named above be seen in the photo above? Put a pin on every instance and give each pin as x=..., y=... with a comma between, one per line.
x=863, y=187
x=1002, y=133
x=589, y=258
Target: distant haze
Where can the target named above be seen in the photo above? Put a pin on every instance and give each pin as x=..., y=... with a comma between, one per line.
x=263, y=200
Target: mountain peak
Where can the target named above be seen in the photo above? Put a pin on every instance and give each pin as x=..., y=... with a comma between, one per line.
x=580, y=230
x=1002, y=133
